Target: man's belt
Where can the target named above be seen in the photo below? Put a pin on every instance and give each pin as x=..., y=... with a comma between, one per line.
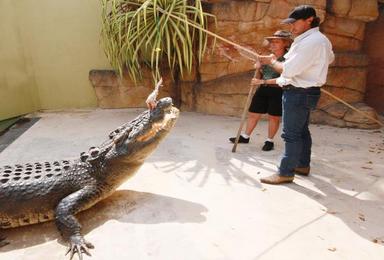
x=292, y=87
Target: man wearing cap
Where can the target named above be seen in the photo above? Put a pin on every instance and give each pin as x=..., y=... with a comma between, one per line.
x=303, y=72
x=267, y=99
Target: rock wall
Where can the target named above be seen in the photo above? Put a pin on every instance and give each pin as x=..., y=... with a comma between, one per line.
x=112, y=91
x=221, y=83
x=374, y=47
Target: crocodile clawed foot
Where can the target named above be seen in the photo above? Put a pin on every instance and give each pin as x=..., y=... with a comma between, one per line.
x=3, y=242
x=78, y=245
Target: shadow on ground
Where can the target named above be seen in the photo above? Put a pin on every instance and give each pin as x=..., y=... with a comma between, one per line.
x=342, y=195
x=350, y=195
x=339, y=192
x=123, y=206
x=198, y=167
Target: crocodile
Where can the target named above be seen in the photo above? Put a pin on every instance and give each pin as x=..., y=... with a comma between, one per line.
x=43, y=191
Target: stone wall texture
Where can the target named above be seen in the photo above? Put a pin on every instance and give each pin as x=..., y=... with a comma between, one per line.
x=374, y=48
x=221, y=83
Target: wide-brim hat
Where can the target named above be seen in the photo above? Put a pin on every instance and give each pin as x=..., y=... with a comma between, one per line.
x=300, y=12
x=285, y=35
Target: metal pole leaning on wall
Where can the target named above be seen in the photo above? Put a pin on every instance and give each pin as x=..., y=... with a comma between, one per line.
x=256, y=55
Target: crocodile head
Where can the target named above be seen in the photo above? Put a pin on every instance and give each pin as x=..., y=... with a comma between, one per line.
x=134, y=141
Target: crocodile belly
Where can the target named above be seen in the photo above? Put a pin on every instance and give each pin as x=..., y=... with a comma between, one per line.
x=24, y=219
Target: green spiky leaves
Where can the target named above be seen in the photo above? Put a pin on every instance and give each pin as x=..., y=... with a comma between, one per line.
x=148, y=32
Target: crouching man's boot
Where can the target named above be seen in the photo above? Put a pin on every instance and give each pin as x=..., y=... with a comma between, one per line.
x=277, y=179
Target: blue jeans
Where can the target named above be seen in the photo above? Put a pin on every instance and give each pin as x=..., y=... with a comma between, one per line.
x=297, y=104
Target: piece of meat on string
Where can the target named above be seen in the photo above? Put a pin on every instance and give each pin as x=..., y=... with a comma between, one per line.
x=152, y=98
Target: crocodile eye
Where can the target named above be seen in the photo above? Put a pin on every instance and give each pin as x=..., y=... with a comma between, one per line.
x=94, y=152
x=83, y=156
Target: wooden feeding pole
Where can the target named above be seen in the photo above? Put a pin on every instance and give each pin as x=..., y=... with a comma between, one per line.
x=252, y=90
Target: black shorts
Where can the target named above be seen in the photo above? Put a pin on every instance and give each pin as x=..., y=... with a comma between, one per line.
x=267, y=99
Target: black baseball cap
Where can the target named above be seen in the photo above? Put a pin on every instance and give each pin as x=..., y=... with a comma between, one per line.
x=300, y=12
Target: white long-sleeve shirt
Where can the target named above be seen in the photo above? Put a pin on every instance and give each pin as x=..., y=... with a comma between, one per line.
x=306, y=62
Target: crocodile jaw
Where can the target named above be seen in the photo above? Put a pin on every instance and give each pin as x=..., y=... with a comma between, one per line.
x=131, y=155
x=166, y=124
x=145, y=143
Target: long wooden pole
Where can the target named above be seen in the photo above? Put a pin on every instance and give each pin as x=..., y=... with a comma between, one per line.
x=256, y=55
x=351, y=107
x=252, y=90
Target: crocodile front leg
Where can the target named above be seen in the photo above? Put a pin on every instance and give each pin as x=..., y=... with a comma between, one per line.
x=68, y=224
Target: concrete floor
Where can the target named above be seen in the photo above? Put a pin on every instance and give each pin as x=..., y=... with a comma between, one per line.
x=195, y=199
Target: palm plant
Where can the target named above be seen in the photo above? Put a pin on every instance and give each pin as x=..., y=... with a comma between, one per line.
x=140, y=33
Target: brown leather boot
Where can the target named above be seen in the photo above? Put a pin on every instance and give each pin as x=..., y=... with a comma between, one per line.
x=277, y=179
x=302, y=170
